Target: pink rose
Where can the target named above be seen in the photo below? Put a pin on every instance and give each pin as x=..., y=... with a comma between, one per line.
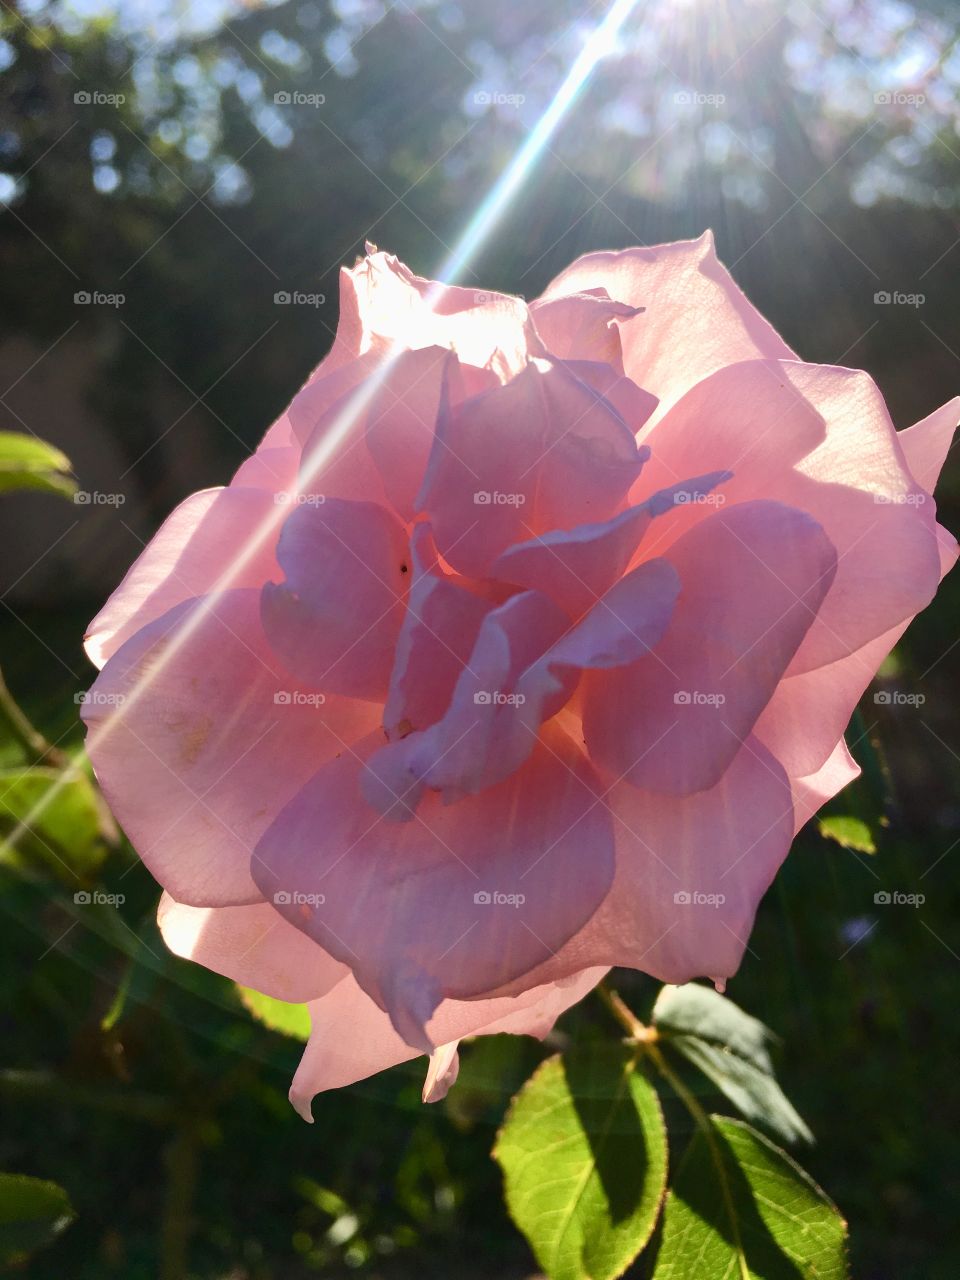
x=521, y=647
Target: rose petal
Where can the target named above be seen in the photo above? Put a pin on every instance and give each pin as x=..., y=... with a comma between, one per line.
x=927, y=443
x=216, y=538
x=195, y=753
x=813, y=791
x=753, y=577
x=333, y=1059
x=634, y=405
x=576, y=567
x=690, y=872
x=579, y=326
x=489, y=728
x=398, y=308
x=819, y=439
x=513, y=683
x=684, y=290
x=408, y=907
x=335, y=619
x=543, y=452
x=272, y=469
x=252, y=945
x=439, y=631
x=442, y=1072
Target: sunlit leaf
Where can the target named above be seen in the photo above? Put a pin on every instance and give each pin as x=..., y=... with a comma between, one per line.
x=740, y=1207
x=848, y=831
x=51, y=817
x=32, y=1214
x=288, y=1019
x=29, y=463
x=584, y=1155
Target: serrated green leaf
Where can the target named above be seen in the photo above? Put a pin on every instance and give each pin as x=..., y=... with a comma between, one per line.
x=584, y=1156
x=848, y=831
x=51, y=817
x=288, y=1019
x=29, y=463
x=697, y=1010
x=755, y=1093
x=740, y=1207
x=32, y=1214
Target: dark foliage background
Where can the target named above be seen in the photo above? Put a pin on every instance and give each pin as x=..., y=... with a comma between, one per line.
x=821, y=144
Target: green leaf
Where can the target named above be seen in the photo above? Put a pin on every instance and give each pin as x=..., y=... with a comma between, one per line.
x=739, y=1207
x=584, y=1156
x=755, y=1093
x=29, y=463
x=697, y=1010
x=848, y=831
x=51, y=817
x=32, y=1214
x=730, y=1048
x=288, y=1019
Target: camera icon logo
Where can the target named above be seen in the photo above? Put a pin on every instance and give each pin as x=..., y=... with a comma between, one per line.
x=482, y=898
x=682, y=898
x=281, y=298
x=682, y=698
x=282, y=698
x=281, y=898
x=482, y=499
x=482, y=698
x=882, y=898
x=82, y=298
x=282, y=99
x=82, y=898
x=882, y=698
x=82, y=97
x=882, y=298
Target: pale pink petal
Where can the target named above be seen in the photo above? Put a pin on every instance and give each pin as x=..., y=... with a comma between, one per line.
x=809, y=712
x=198, y=735
x=352, y=1038
x=820, y=439
x=579, y=326
x=543, y=452
x=752, y=579
x=491, y=725
x=223, y=538
x=690, y=873
x=695, y=318
x=252, y=945
x=807, y=716
x=927, y=443
x=272, y=469
x=335, y=461
x=397, y=309
x=442, y=1072
x=402, y=415
x=576, y=567
x=335, y=618
x=439, y=632
x=522, y=670
x=435, y=907
x=813, y=791
x=634, y=405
